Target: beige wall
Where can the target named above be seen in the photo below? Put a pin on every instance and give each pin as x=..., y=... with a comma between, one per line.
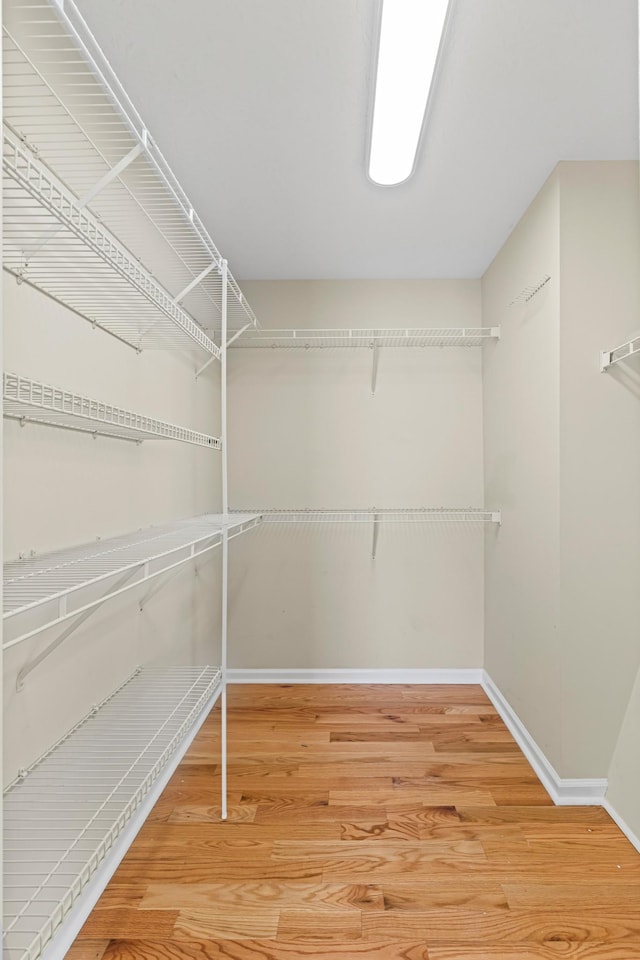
x=562, y=577
x=624, y=774
x=599, y=458
x=304, y=431
x=64, y=488
x=521, y=452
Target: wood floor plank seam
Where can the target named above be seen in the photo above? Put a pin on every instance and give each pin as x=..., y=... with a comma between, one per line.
x=371, y=822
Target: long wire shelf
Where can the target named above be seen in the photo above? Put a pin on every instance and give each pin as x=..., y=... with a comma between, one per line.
x=355, y=337
x=64, y=814
x=49, y=589
x=33, y=402
x=64, y=103
x=623, y=352
x=57, y=245
x=387, y=515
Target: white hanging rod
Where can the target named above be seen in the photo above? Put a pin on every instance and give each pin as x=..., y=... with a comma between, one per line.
x=85, y=793
x=49, y=589
x=531, y=290
x=354, y=337
x=623, y=352
x=30, y=401
x=387, y=515
x=62, y=97
x=43, y=222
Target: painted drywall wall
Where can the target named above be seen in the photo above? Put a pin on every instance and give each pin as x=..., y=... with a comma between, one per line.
x=306, y=432
x=521, y=455
x=624, y=773
x=64, y=488
x=562, y=604
x=599, y=460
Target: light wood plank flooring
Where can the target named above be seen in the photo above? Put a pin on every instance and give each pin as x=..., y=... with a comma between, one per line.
x=368, y=822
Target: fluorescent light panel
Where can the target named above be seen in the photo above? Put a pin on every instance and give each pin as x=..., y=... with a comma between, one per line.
x=410, y=35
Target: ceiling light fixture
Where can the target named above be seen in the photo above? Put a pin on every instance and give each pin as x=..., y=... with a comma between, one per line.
x=410, y=35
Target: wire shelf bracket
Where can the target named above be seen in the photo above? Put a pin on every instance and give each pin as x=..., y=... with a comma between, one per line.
x=610, y=357
x=49, y=590
x=30, y=401
x=65, y=814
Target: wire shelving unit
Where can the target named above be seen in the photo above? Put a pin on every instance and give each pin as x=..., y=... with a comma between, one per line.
x=55, y=587
x=80, y=165
x=64, y=814
x=355, y=337
x=95, y=218
x=30, y=401
x=610, y=357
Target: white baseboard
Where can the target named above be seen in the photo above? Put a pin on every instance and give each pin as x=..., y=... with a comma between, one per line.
x=391, y=675
x=563, y=792
x=624, y=826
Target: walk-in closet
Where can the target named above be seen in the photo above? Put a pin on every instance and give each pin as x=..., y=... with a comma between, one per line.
x=321, y=546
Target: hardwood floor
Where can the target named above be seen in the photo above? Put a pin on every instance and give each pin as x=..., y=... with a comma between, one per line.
x=369, y=822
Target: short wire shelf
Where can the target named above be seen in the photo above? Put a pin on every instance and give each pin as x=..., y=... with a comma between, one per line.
x=354, y=337
x=34, y=402
x=64, y=814
x=530, y=291
x=64, y=103
x=386, y=515
x=609, y=357
x=43, y=590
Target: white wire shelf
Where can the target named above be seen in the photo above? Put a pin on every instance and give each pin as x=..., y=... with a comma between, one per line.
x=42, y=591
x=63, y=816
x=415, y=515
x=352, y=337
x=623, y=352
x=34, y=402
x=529, y=292
x=63, y=101
x=54, y=243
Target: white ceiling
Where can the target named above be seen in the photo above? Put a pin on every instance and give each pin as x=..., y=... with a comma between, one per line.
x=262, y=106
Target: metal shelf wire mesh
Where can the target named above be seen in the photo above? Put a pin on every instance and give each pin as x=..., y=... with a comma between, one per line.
x=623, y=352
x=61, y=583
x=408, y=337
x=63, y=817
x=65, y=104
x=410, y=515
x=31, y=401
x=54, y=243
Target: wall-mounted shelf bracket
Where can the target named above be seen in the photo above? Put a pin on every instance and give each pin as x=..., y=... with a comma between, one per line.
x=623, y=352
x=81, y=618
x=374, y=544
x=196, y=280
x=374, y=367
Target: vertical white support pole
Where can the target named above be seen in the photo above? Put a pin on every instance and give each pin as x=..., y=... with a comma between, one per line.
x=223, y=388
x=1, y=551
x=223, y=667
x=225, y=541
